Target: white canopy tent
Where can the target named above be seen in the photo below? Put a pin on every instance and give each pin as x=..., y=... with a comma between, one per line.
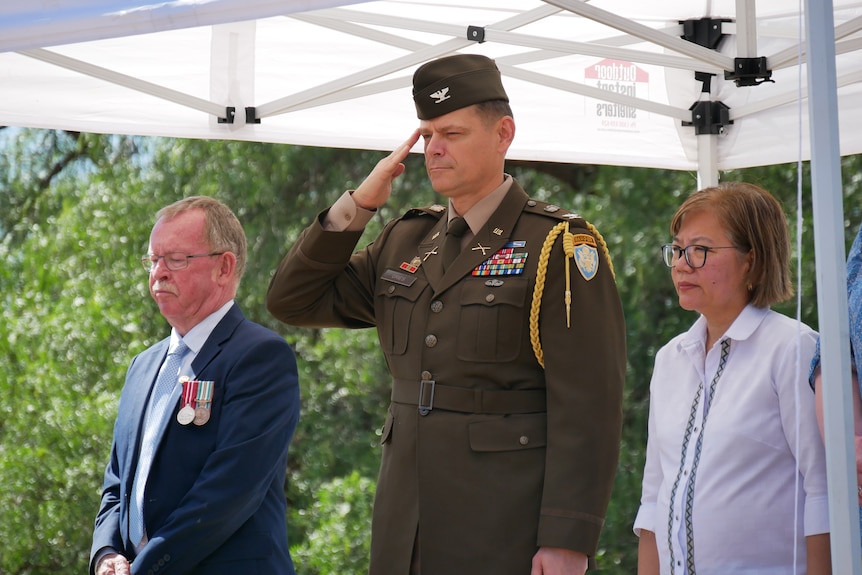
x=605, y=81
x=587, y=85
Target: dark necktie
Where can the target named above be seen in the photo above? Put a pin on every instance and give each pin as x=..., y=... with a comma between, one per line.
x=452, y=244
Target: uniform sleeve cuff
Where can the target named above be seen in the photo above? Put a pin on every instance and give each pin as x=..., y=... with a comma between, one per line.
x=346, y=216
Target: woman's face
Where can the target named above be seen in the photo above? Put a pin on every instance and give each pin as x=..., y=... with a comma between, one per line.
x=719, y=289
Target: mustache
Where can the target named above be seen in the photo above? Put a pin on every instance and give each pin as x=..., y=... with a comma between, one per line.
x=162, y=286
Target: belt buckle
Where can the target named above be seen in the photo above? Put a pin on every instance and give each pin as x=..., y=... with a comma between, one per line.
x=426, y=384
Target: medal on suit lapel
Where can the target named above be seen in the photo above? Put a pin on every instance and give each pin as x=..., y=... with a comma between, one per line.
x=187, y=413
x=203, y=402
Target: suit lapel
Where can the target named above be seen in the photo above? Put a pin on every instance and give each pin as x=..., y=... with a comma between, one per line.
x=213, y=345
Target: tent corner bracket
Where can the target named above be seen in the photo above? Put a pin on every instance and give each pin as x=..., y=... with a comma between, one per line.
x=229, y=114
x=709, y=117
x=705, y=32
x=749, y=72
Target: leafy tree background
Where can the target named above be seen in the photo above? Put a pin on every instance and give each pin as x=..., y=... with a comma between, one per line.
x=75, y=215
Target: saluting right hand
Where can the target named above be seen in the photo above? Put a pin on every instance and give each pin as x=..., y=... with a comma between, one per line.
x=375, y=190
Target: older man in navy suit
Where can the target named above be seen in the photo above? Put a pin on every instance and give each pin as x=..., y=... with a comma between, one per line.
x=195, y=482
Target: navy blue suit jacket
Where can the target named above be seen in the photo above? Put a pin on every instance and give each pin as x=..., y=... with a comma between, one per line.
x=215, y=498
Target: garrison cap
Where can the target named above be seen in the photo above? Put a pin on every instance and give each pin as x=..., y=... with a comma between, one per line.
x=448, y=84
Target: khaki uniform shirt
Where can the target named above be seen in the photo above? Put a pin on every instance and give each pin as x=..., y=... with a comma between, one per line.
x=487, y=455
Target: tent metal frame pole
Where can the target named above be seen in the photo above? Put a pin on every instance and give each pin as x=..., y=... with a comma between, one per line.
x=707, y=161
x=643, y=32
x=831, y=287
x=125, y=80
x=283, y=105
x=789, y=56
x=746, y=29
x=497, y=33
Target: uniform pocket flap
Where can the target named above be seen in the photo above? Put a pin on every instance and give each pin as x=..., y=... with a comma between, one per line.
x=510, y=433
x=512, y=291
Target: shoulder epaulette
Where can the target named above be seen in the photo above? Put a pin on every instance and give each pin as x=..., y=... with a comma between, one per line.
x=550, y=210
x=586, y=262
x=435, y=210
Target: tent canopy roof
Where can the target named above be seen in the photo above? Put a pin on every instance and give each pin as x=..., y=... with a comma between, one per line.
x=587, y=85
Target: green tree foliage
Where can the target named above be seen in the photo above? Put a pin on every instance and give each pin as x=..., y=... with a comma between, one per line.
x=71, y=316
x=75, y=216
x=336, y=527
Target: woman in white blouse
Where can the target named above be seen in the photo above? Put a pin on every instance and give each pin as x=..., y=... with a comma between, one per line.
x=735, y=474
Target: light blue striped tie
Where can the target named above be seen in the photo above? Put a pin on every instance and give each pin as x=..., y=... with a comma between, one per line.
x=156, y=417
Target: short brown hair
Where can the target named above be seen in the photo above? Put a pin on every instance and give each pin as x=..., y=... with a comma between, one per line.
x=493, y=110
x=223, y=231
x=754, y=221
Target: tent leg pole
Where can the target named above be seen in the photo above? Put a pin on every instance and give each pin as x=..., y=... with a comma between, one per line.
x=707, y=161
x=831, y=287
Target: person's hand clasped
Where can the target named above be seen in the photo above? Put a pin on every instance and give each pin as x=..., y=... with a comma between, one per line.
x=375, y=190
x=556, y=561
x=113, y=564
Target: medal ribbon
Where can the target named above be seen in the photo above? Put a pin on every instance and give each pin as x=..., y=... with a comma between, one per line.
x=190, y=388
x=204, y=394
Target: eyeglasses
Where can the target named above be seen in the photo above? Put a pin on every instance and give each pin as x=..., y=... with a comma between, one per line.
x=695, y=256
x=173, y=261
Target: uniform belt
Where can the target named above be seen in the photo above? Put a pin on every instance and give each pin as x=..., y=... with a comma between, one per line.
x=427, y=394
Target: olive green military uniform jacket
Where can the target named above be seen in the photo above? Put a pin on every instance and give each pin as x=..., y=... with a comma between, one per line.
x=486, y=454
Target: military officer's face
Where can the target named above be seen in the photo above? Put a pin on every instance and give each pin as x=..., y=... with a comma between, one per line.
x=718, y=290
x=464, y=154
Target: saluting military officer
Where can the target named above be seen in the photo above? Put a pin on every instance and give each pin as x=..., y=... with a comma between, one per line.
x=502, y=436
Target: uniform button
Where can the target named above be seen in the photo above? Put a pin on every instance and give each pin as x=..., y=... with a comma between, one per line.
x=436, y=306
x=391, y=289
x=489, y=298
x=430, y=340
x=524, y=440
x=426, y=375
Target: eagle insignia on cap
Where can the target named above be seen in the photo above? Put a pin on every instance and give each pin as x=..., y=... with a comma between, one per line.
x=441, y=95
